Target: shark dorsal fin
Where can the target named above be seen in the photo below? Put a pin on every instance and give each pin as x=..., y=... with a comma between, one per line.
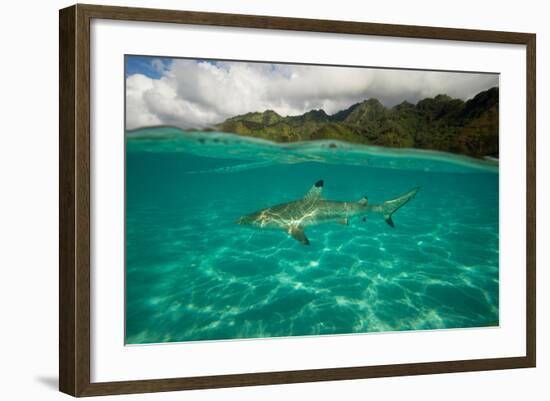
x=315, y=192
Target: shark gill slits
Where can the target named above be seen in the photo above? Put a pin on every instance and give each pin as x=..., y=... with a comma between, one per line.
x=319, y=184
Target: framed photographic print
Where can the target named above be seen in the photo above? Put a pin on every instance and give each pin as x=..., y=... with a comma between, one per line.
x=250, y=200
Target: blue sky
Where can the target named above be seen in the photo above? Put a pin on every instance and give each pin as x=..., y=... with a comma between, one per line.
x=144, y=65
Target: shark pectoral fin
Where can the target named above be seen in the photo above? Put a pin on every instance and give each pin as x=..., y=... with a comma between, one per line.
x=344, y=221
x=298, y=234
x=389, y=220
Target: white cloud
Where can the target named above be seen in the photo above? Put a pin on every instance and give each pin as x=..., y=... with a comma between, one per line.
x=193, y=94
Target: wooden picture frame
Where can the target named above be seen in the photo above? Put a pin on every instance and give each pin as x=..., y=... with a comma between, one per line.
x=74, y=202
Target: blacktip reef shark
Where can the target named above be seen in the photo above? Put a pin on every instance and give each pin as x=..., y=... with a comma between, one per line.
x=313, y=209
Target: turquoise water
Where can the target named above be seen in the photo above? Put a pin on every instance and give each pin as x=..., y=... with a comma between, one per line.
x=192, y=273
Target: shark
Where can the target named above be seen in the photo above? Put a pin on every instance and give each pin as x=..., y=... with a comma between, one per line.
x=313, y=209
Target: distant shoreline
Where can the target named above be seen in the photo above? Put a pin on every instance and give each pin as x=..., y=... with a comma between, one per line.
x=247, y=147
x=441, y=123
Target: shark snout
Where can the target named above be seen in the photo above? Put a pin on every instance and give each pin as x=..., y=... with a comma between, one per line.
x=245, y=220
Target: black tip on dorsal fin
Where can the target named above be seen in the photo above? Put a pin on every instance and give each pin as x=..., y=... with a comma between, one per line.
x=319, y=184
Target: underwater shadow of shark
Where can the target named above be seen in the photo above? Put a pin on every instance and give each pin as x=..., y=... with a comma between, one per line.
x=313, y=209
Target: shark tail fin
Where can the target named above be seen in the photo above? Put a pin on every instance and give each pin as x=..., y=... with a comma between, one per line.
x=391, y=206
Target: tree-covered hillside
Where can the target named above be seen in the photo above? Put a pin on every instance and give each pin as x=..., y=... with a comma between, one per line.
x=439, y=123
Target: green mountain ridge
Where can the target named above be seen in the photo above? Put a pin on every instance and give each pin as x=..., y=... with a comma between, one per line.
x=439, y=123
